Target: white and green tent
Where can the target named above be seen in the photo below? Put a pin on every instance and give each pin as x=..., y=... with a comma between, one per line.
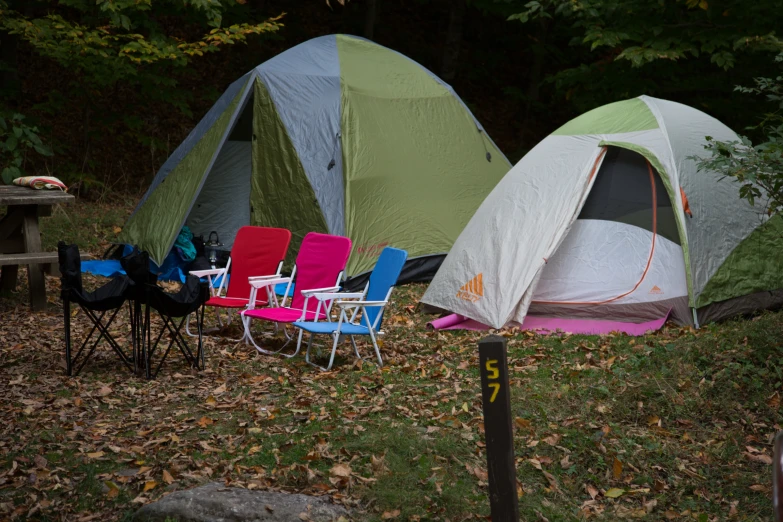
x=608, y=218
x=336, y=135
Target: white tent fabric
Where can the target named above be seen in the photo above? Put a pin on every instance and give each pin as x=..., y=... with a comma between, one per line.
x=600, y=260
x=524, y=243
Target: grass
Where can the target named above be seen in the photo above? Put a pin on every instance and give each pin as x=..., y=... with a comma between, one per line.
x=92, y=226
x=675, y=426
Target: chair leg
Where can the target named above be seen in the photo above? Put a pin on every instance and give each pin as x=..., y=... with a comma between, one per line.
x=309, y=347
x=187, y=326
x=375, y=346
x=377, y=350
x=289, y=338
x=67, y=326
x=249, y=337
x=104, y=332
x=331, y=357
x=148, y=344
x=176, y=337
x=200, y=321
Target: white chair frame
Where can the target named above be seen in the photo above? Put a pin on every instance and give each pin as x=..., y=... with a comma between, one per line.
x=223, y=286
x=356, y=307
x=268, y=284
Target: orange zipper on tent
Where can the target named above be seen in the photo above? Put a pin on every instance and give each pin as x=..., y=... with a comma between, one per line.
x=649, y=258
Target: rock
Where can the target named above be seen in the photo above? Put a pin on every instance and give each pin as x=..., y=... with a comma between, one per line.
x=217, y=503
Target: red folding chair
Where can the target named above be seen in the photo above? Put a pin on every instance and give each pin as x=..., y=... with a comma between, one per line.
x=258, y=252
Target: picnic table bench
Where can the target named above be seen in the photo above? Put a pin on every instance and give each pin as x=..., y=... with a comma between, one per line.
x=20, y=238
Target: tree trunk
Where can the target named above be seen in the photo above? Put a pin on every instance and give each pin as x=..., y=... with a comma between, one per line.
x=370, y=17
x=258, y=6
x=10, y=84
x=448, y=69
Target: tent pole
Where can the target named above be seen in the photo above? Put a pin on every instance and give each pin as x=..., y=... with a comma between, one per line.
x=695, y=319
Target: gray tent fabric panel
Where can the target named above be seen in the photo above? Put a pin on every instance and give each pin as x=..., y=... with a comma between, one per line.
x=304, y=83
x=224, y=202
x=195, y=135
x=740, y=305
x=676, y=307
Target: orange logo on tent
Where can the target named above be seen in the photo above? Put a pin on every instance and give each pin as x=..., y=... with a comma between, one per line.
x=655, y=290
x=473, y=290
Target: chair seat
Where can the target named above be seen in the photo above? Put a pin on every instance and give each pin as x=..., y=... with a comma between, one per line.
x=108, y=297
x=281, y=315
x=331, y=327
x=233, y=302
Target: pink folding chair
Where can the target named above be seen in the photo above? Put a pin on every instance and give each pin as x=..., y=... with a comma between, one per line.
x=257, y=252
x=318, y=270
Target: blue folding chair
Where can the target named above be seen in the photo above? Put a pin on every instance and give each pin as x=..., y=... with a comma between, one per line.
x=370, y=303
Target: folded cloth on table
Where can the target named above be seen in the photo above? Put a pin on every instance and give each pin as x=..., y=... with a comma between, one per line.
x=40, y=182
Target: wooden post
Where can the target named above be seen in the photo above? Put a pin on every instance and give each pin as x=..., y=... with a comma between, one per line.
x=498, y=429
x=777, y=477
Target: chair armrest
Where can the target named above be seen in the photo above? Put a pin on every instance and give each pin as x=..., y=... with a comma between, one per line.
x=328, y=296
x=351, y=304
x=311, y=292
x=261, y=283
x=252, y=278
x=206, y=273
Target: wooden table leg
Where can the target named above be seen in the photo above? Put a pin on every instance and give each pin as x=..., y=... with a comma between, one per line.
x=10, y=241
x=32, y=243
x=8, y=275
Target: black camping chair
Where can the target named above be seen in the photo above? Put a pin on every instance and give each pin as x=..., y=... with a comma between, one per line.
x=188, y=300
x=106, y=300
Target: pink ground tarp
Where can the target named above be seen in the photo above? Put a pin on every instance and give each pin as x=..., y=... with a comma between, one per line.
x=547, y=325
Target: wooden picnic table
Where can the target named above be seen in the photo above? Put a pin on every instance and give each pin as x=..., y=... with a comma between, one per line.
x=20, y=238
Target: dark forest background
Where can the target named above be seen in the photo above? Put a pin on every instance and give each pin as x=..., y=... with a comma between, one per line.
x=110, y=87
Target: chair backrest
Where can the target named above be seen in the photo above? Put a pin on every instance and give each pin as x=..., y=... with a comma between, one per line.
x=185, y=301
x=70, y=267
x=257, y=251
x=384, y=276
x=320, y=260
x=136, y=265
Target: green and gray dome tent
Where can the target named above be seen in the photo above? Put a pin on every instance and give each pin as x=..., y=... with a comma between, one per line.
x=336, y=135
x=609, y=218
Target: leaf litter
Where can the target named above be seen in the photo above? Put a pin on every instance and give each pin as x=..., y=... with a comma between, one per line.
x=267, y=423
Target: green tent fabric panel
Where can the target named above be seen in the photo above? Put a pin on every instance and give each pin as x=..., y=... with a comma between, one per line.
x=623, y=116
x=379, y=72
x=280, y=195
x=754, y=266
x=155, y=226
x=403, y=134
x=673, y=194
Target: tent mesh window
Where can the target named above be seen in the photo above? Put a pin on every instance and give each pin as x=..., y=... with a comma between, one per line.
x=622, y=192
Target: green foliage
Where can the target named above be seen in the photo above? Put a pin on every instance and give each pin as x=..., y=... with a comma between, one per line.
x=125, y=40
x=758, y=169
x=17, y=139
x=111, y=56
x=642, y=31
x=600, y=51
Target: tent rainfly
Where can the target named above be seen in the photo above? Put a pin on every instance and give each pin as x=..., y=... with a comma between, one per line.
x=336, y=135
x=609, y=218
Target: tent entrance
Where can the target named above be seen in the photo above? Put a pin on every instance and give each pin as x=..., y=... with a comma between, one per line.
x=624, y=237
x=223, y=205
